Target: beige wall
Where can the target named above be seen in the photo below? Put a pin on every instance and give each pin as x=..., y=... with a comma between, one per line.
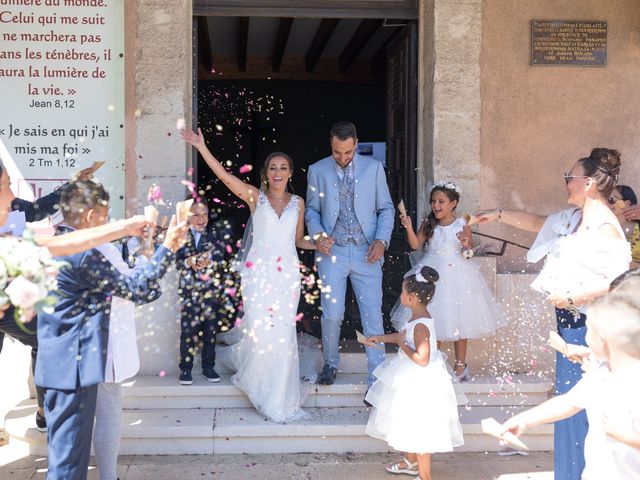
x=536, y=121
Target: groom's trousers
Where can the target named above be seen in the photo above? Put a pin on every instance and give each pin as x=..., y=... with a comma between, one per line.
x=366, y=279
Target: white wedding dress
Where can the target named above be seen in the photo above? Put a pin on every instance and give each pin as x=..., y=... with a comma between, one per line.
x=266, y=357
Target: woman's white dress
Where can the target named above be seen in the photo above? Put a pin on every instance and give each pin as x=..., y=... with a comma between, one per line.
x=414, y=407
x=463, y=306
x=266, y=357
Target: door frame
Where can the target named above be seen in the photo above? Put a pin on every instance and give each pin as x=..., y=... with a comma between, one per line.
x=392, y=9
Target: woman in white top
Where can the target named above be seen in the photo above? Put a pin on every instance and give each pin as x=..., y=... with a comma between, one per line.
x=585, y=249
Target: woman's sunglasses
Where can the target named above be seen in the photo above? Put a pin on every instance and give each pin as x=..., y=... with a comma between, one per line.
x=568, y=177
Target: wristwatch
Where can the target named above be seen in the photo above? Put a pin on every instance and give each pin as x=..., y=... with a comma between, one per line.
x=384, y=243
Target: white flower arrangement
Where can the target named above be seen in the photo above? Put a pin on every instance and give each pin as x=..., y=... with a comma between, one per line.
x=448, y=186
x=27, y=275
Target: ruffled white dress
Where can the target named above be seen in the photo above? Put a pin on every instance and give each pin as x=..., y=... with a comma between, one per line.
x=463, y=306
x=414, y=407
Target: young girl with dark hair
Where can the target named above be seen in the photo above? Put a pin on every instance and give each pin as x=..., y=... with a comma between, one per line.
x=464, y=306
x=414, y=404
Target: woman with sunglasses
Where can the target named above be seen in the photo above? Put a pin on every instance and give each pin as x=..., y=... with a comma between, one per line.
x=621, y=200
x=585, y=249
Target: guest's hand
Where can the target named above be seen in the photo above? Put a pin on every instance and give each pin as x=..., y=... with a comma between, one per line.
x=515, y=426
x=324, y=244
x=193, y=138
x=176, y=234
x=405, y=221
x=137, y=226
x=632, y=212
x=375, y=251
x=486, y=216
x=577, y=353
x=560, y=300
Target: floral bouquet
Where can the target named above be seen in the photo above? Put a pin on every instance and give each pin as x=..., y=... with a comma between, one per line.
x=27, y=275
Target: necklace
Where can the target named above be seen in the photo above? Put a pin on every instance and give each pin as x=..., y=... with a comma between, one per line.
x=275, y=199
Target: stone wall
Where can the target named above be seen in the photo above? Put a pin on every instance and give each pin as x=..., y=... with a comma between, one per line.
x=538, y=120
x=450, y=86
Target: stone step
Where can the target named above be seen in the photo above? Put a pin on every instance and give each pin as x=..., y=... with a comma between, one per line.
x=149, y=392
x=243, y=430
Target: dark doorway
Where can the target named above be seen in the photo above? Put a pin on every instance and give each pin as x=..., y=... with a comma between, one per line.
x=250, y=105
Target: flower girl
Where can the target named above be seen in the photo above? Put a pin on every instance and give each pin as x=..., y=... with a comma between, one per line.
x=464, y=306
x=414, y=404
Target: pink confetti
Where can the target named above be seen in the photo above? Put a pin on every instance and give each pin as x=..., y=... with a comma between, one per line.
x=229, y=249
x=162, y=373
x=249, y=264
x=299, y=317
x=279, y=259
x=279, y=269
x=154, y=195
x=246, y=168
x=190, y=171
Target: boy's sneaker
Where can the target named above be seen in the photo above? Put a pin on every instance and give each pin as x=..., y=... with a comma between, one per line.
x=185, y=378
x=211, y=375
x=41, y=423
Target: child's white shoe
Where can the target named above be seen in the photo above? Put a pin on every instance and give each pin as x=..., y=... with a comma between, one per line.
x=410, y=469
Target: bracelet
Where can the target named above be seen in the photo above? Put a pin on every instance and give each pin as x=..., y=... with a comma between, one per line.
x=499, y=214
x=468, y=253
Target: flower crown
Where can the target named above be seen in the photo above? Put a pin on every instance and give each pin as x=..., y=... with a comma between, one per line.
x=448, y=186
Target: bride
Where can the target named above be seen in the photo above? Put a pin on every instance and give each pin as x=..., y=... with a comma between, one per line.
x=266, y=357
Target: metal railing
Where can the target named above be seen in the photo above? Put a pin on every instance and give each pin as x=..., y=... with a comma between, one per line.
x=503, y=248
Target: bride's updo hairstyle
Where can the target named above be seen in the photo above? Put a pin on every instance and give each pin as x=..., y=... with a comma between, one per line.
x=603, y=166
x=422, y=284
x=264, y=181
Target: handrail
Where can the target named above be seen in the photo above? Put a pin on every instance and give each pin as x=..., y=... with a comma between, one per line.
x=504, y=244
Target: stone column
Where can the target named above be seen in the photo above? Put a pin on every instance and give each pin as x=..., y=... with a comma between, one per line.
x=159, y=81
x=450, y=44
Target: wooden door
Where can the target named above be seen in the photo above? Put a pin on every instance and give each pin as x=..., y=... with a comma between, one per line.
x=402, y=101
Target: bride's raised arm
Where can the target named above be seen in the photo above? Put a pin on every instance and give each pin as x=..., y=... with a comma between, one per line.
x=244, y=191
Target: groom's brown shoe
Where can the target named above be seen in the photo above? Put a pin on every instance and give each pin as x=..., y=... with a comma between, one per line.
x=328, y=375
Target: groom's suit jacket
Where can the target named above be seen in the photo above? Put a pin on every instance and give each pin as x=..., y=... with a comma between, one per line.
x=372, y=202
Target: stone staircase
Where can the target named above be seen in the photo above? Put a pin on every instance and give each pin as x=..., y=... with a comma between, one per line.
x=162, y=417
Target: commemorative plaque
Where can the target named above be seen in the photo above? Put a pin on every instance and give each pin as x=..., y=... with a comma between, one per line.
x=560, y=42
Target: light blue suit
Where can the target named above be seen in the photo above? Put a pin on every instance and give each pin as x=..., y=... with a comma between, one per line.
x=375, y=213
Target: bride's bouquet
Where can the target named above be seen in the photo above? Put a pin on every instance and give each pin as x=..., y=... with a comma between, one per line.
x=27, y=275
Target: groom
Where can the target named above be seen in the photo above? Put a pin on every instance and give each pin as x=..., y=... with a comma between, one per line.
x=350, y=214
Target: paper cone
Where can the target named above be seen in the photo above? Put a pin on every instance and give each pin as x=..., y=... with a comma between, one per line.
x=490, y=426
x=151, y=215
x=401, y=208
x=471, y=219
x=95, y=166
x=182, y=210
